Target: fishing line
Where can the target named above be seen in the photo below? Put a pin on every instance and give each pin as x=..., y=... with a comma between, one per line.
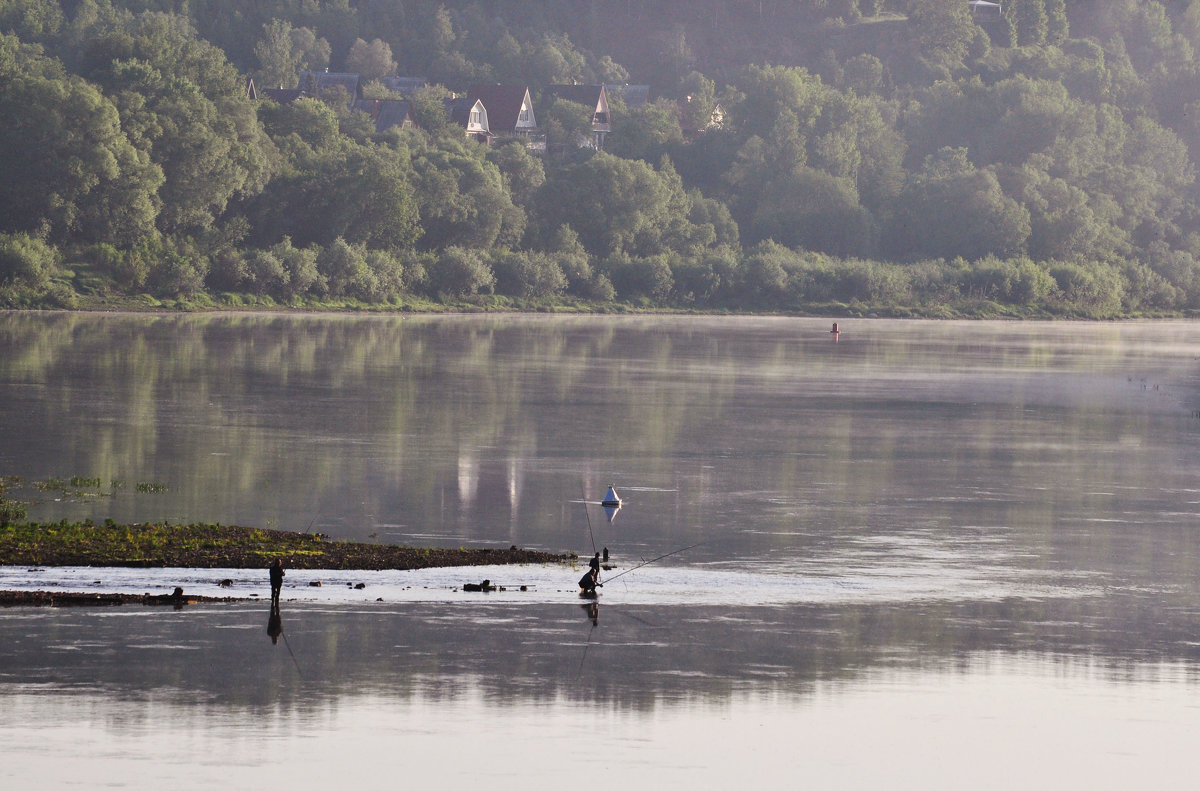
x=589, y=518
x=652, y=560
x=292, y=655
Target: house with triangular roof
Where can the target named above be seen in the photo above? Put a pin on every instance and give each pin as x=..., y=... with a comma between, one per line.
x=321, y=84
x=386, y=113
x=472, y=116
x=593, y=97
x=634, y=96
x=509, y=111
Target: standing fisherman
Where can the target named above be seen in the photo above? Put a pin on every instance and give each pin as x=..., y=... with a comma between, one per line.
x=276, y=580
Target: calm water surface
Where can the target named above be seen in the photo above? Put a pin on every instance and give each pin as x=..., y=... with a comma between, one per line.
x=931, y=554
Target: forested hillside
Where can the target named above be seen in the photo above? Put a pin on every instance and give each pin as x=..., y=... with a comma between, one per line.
x=899, y=156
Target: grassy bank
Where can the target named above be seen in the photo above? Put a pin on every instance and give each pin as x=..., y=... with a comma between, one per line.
x=227, y=546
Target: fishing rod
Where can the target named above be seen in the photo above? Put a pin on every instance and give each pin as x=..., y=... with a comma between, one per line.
x=589, y=518
x=653, y=560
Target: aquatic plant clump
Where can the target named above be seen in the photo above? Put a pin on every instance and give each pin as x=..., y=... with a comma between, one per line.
x=226, y=546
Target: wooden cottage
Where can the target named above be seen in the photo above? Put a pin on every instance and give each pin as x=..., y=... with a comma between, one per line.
x=386, y=113
x=472, y=116
x=509, y=112
x=593, y=97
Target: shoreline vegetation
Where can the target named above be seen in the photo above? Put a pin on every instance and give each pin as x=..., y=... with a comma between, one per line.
x=164, y=545
x=969, y=309
x=914, y=158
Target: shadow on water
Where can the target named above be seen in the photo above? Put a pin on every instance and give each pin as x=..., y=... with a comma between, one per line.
x=275, y=622
x=644, y=654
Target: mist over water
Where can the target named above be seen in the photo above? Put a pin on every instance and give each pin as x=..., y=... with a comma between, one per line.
x=932, y=527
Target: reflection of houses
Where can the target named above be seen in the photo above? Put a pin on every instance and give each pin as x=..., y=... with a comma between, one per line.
x=386, y=113
x=471, y=116
x=509, y=112
x=590, y=96
x=327, y=84
x=983, y=6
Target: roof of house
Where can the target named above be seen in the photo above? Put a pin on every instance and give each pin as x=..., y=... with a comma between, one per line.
x=283, y=95
x=635, y=96
x=318, y=82
x=503, y=103
x=386, y=113
x=460, y=111
x=403, y=85
x=588, y=95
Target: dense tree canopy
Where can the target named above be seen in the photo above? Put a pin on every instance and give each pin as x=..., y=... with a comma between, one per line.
x=909, y=153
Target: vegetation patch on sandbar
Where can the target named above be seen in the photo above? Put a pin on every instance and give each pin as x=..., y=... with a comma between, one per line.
x=228, y=546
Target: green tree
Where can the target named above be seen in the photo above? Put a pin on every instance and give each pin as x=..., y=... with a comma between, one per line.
x=71, y=171
x=640, y=278
x=182, y=101
x=430, y=113
x=805, y=207
x=1095, y=291
x=459, y=272
x=951, y=208
x=567, y=125
x=527, y=274
x=697, y=101
x=361, y=193
x=763, y=276
x=303, y=128
x=943, y=30
x=26, y=262
x=646, y=132
x=565, y=249
x=619, y=206
x=1057, y=25
x=523, y=173
x=284, y=51
x=344, y=269
x=31, y=20
x=1032, y=24
x=371, y=61
x=770, y=92
x=461, y=196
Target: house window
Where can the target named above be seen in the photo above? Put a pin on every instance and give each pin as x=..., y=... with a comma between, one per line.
x=474, y=118
x=524, y=117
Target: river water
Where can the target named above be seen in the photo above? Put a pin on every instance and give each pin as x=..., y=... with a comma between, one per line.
x=918, y=554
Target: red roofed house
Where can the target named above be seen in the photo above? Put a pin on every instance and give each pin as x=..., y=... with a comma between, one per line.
x=509, y=111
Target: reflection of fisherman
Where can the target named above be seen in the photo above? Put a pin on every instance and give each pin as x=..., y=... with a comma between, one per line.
x=592, y=609
x=276, y=581
x=275, y=622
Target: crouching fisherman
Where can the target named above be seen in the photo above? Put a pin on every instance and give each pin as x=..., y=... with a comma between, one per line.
x=589, y=582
